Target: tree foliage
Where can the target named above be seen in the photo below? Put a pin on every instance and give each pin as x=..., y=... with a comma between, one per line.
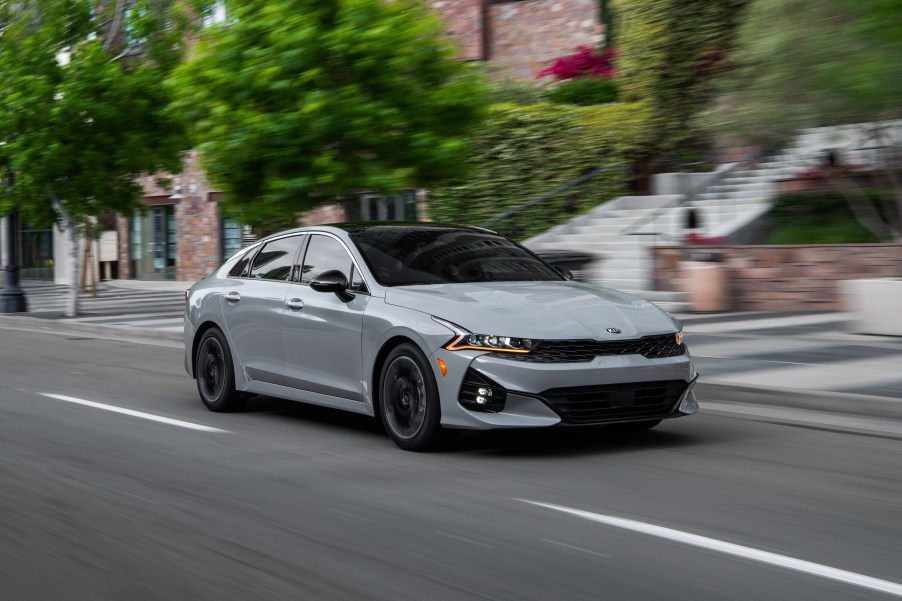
x=812, y=63
x=298, y=101
x=523, y=152
x=81, y=105
x=668, y=53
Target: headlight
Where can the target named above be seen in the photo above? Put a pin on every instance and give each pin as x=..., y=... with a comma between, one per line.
x=679, y=338
x=467, y=341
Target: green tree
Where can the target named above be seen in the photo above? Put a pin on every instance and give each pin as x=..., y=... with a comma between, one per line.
x=82, y=108
x=669, y=51
x=812, y=63
x=816, y=63
x=294, y=102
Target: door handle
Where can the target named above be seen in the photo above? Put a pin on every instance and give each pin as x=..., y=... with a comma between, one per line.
x=295, y=304
x=233, y=297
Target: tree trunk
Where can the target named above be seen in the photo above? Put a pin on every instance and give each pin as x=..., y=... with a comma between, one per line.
x=74, y=265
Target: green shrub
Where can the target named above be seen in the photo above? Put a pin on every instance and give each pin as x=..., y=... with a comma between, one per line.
x=820, y=218
x=522, y=152
x=584, y=91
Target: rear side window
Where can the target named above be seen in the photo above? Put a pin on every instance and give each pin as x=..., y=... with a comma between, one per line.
x=275, y=259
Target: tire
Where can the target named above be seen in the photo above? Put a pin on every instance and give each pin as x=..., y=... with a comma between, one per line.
x=409, y=401
x=215, y=373
x=635, y=426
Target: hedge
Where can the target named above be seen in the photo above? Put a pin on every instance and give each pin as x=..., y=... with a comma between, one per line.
x=522, y=152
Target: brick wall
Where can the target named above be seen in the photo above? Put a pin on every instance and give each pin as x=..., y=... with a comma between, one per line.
x=786, y=278
x=329, y=213
x=527, y=36
x=463, y=20
x=197, y=221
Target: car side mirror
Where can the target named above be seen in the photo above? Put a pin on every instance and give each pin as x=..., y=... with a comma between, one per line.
x=332, y=281
x=565, y=273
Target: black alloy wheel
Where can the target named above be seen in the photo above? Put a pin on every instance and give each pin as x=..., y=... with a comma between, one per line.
x=215, y=373
x=409, y=401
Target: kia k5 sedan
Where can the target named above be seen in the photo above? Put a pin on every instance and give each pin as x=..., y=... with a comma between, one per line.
x=431, y=327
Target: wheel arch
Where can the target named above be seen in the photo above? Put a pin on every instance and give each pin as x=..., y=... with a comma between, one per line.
x=387, y=347
x=201, y=330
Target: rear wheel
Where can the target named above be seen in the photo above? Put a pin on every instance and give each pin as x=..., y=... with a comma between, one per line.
x=215, y=373
x=409, y=400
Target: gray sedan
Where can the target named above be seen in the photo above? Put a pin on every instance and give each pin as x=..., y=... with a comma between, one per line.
x=431, y=327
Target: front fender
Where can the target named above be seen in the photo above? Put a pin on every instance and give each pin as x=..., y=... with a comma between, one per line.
x=383, y=323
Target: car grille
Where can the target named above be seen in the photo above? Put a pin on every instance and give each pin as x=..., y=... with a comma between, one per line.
x=575, y=351
x=614, y=402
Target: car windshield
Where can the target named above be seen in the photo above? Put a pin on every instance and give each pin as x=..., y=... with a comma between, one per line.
x=410, y=255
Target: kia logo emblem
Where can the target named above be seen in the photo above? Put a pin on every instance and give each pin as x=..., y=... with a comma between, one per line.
x=612, y=331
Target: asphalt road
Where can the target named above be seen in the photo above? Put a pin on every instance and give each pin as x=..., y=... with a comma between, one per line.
x=292, y=502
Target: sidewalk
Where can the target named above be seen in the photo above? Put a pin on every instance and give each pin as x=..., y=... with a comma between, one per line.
x=155, y=286
x=759, y=358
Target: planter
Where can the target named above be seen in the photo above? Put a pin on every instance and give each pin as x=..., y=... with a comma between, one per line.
x=705, y=282
x=876, y=305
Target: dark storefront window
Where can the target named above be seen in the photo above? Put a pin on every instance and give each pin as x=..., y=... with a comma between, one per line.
x=153, y=244
x=36, y=252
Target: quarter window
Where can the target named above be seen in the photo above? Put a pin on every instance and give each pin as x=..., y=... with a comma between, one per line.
x=240, y=268
x=275, y=259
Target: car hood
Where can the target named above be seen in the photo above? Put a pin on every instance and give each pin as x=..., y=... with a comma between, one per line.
x=537, y=310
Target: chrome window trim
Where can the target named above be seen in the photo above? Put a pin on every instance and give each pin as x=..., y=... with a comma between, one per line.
x=350, y=254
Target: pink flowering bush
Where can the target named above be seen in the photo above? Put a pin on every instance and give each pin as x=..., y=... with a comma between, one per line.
x=696, y=238
x=586, y=61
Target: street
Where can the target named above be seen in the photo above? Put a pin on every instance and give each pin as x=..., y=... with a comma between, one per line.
x=286, y=501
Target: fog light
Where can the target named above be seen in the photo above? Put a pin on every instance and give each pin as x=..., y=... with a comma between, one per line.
x=479, y=393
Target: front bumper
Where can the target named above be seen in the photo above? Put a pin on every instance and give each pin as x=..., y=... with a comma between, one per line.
x=609, y=389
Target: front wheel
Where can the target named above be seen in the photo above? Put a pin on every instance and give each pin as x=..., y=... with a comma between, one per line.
x=409, y=400
x=215, y=373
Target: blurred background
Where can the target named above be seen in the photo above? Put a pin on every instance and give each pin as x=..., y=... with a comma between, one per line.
x=634, y=140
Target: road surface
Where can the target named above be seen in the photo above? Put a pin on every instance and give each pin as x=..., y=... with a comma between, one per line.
x=108, y=490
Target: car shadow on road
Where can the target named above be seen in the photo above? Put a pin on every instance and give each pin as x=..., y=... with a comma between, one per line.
x=550, y=442
x=565, y=441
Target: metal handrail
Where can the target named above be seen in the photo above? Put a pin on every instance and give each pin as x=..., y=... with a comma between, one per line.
x=683, y=199
x=538, y=200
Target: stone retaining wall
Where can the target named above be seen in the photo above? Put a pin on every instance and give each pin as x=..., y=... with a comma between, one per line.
x=785, y=278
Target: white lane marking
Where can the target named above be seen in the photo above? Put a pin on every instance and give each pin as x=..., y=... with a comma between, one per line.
x=131, y=412
x=807, y=416
x=554, y=542
x=782, y=561
x=461, y=538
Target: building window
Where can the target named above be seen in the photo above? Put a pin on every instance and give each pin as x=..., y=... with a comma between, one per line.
x=36, y=252
x=231, y=237
x=375, y=207
x=215, y=14
x=153, y=244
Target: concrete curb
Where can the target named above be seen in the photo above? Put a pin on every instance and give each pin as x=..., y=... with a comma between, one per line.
x=39, y=324
x=797, y=398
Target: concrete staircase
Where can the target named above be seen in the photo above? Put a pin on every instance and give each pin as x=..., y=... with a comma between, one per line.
x=620, y=233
